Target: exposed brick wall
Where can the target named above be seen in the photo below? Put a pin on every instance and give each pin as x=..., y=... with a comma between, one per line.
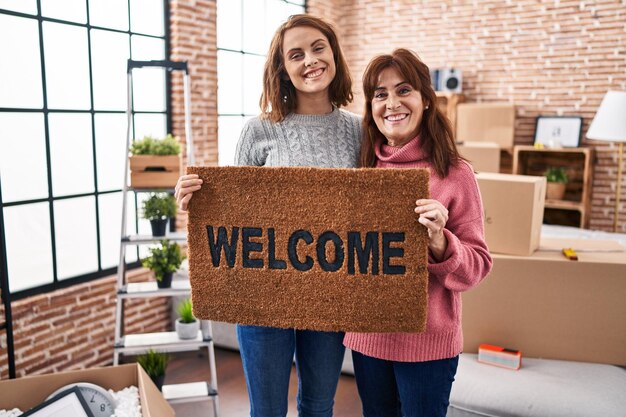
x=328, y=9
x=547, y=57
x=74, y=328
x=194, y=39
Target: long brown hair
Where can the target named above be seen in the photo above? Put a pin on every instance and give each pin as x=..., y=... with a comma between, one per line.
x=436, y=137
x=279, y=94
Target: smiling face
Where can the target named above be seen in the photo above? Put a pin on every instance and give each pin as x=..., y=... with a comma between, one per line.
x=309, y=61
x=397, y=108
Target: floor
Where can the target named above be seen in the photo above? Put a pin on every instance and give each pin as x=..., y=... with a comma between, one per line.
x=193, y=366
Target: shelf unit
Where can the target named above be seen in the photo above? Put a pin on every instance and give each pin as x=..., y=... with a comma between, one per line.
x=135, y=344
x=575, y=208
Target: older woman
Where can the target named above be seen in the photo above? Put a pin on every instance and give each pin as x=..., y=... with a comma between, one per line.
x=411, y=374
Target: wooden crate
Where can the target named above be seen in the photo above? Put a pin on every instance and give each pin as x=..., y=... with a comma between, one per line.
x=155, y=171
x=577, y=162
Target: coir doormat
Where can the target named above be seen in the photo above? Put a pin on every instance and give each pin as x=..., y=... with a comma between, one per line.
x=309, y=248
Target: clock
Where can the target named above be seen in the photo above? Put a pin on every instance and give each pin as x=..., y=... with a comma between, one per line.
x=100, y=402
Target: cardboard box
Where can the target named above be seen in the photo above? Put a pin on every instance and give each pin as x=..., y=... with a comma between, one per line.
x=484, y=156
x=486, y=122
x=513, y=207
x=550, y=307
x=30, y=391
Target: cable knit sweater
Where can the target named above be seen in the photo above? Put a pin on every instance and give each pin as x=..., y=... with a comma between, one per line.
x=465, y=263
x=329, y=140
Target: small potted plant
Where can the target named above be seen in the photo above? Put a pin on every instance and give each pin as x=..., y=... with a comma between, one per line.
x=187, y=325
x=155, y=163
x=557, y=183
x=155, y=364
x=164, y=260
x=159, y=208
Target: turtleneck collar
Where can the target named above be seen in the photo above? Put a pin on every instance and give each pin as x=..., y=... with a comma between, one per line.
x=410, y=152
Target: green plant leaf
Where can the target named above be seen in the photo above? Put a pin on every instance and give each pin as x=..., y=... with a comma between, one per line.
x=185, y=311
x=151, y=146
x=154, y=363
x=556, y=174
x=164, y=258
x=159, y=206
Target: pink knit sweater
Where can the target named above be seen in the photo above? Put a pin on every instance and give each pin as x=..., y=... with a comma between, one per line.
x=465, y=263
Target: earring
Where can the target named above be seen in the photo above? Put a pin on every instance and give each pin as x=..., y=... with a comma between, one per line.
x=426, y=108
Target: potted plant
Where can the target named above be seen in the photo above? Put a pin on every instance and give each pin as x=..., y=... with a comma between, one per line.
x=164, y=260
x=155, y=364
x=557, y=183
x=159, y=208
x=155, y=163
x=187, y=325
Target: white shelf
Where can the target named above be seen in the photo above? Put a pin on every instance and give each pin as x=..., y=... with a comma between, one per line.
x=152, y=190
x=163, y=342
x=145, y=239
x=188, y=392
x=150, y=289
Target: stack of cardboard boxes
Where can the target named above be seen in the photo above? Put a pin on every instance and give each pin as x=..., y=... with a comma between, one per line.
x=483, y=131
x=536, y=300
x=513, y=203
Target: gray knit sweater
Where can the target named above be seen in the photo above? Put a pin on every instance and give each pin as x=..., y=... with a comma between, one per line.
x=330, y=140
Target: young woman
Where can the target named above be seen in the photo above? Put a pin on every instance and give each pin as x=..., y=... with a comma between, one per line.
x=305, y=81
x=410, y=374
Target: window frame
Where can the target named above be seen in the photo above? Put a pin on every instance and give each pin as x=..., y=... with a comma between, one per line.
x=243, y=115
x=45, y=112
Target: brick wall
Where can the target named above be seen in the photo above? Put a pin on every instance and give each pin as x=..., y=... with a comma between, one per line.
x=73, y=328
x=331, y=10
x=548, y=57
x=194, y=39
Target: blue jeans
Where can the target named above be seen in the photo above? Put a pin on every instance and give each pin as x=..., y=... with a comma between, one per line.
x=409, y=389
x=267, y=355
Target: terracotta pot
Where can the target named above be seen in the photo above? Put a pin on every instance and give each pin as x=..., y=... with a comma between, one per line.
x=555, y=191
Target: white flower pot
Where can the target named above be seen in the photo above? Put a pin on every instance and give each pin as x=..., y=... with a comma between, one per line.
x=187, y=330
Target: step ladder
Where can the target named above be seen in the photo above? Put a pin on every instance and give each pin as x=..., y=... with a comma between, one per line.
x=135, y=344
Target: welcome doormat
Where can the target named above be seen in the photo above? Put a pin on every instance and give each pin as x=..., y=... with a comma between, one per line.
x=309, y=248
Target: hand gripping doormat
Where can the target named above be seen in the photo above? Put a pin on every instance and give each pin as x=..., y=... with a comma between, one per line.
x=309, y=248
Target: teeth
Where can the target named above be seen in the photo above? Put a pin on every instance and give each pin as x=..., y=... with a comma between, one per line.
x=396, y=117
x=314, y=74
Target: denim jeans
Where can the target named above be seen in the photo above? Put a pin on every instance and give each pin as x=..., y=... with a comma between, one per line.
x=409, y=389
x=267, y=355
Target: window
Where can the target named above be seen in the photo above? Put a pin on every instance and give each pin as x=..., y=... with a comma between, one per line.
x=63, y=131
x=244, y=31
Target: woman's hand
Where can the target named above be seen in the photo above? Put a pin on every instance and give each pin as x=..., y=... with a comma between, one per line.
x=434, y=216
x=185, y=187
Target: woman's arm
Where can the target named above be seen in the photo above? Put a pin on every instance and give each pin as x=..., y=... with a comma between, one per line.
x=465, y=261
